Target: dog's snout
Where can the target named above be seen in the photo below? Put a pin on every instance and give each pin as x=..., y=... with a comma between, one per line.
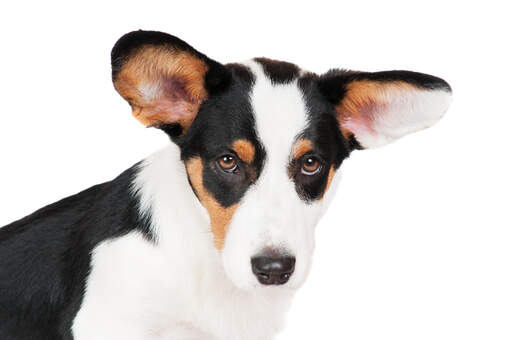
x=273, y=270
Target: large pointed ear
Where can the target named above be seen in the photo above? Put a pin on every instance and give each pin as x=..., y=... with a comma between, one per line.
x=163, y=78
x=378, y=108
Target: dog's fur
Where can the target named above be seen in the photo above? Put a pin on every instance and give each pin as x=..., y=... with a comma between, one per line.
x=164, y=250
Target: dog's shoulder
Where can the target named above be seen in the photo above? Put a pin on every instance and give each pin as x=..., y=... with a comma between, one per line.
x=45, y=256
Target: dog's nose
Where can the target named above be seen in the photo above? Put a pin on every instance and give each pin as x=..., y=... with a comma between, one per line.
x=273, y=270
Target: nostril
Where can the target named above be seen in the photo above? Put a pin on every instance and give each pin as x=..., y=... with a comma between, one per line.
x=273, y=270
x=263, y=276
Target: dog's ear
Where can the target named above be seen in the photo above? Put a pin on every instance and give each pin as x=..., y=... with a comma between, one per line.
x=163, y=78
x=377, y=108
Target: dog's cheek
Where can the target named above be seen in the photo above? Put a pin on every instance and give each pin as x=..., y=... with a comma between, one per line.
x=330, y=176
x=220, y=217
x=243, y=240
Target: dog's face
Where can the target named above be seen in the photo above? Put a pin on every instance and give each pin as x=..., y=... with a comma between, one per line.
x=262, y=141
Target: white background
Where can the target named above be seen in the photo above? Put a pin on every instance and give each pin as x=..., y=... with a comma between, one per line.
x=417, y=244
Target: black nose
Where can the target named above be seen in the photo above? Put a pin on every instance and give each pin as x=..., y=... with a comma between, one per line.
x=273, y=270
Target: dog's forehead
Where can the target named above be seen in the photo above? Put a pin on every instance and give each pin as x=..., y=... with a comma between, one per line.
x=278, y=105
x=268, y=104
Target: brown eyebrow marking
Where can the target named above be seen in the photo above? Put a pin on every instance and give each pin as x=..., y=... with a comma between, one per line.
x=220, y=217
x=301, y=147
x=244, y=149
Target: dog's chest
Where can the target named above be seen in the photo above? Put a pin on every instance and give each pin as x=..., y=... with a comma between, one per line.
x=135, y=292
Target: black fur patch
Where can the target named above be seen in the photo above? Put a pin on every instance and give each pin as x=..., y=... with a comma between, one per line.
x=279, y=72
x=242, y=73
x=221, y=120
x=329, y=145
x=45, y=257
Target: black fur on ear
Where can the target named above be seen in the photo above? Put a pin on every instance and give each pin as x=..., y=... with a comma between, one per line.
x=216, y=79
x=334, y=82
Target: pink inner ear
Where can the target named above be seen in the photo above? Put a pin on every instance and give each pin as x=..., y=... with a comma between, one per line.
x=379, y=113
x=167, y=110
x=167, y=100
x=362, y=120
x=175, y=88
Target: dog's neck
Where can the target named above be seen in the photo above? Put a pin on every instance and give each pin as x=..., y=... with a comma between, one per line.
x=179, y=222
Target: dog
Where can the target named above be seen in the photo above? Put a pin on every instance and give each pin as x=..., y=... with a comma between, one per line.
x=210, y=237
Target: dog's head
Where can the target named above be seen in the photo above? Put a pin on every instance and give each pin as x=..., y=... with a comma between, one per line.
x=262, y=140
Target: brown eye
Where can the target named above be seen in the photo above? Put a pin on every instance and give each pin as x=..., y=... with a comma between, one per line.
x=227, y=163
x=310, y=166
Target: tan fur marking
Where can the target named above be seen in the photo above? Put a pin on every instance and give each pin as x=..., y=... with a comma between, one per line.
x=244, y=149
x=151, y=66
x=302, y=147
x=363, y=97
x=329, y=180
x=220, y=217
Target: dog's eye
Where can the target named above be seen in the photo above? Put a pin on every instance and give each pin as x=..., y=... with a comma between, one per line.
x=310, y=166
x=227, y=163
